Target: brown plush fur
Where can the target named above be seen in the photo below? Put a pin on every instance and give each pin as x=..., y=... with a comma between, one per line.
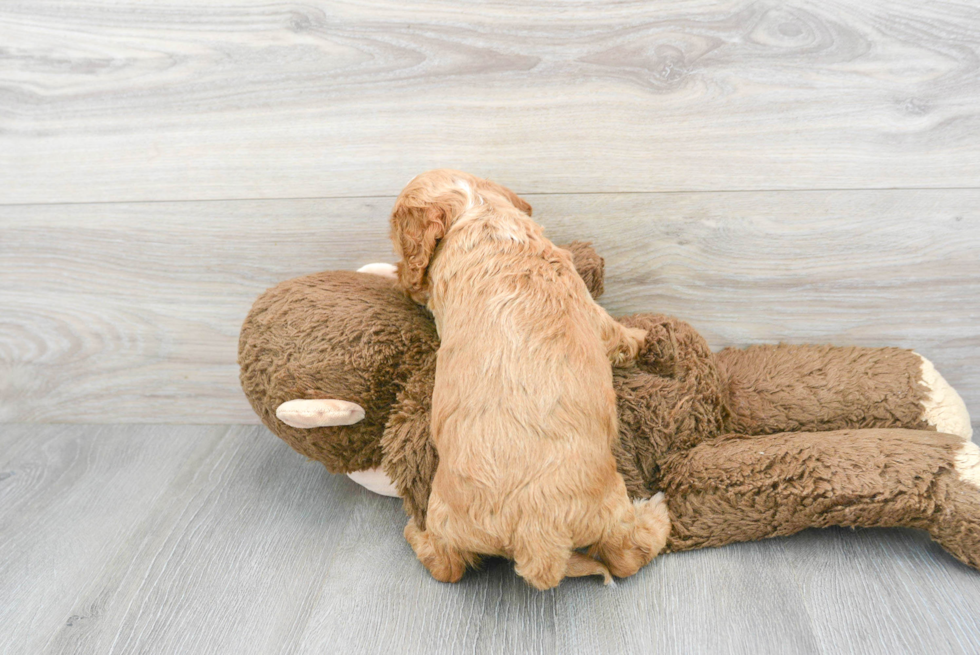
x=333, y=335
x=523, y=409
x=678, y=410
x=740, y=488
x=798, y=388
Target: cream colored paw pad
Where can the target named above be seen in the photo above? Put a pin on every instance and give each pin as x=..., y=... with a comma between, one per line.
x=967, y=463
x=384, y=270
x=942, y=407
x=375, y=480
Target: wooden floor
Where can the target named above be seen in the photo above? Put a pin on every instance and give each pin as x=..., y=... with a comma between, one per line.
x=220, y=539
x=802, y=171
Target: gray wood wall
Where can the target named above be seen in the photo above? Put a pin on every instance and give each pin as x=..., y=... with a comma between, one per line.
x=801, y=171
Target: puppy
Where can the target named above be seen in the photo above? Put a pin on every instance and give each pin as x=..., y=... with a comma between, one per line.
x=523, y=409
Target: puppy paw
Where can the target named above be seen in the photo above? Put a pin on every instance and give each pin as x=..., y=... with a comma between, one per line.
x=444, y=564
x=631, y=544
x=628, y=347
x=652, y=524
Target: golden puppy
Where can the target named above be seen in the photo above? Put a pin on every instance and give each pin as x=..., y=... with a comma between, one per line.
x=523, y=410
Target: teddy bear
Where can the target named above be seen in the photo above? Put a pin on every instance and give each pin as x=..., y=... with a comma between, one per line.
x=744, y=443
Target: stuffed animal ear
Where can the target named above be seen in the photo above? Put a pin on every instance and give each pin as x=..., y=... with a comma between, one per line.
x=590, y=266
x=318, y=413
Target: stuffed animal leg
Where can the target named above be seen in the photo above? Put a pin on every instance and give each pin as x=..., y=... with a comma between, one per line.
x=737, y=488
x=816, y=388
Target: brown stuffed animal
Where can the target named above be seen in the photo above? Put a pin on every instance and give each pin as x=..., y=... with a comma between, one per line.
x=745, y=444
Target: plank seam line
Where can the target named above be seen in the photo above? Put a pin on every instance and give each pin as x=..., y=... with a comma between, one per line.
x=529, y=194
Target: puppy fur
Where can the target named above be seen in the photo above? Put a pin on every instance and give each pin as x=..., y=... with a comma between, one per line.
x=523, y=409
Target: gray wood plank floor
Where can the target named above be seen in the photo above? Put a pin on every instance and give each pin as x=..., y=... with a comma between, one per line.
x=220, y=539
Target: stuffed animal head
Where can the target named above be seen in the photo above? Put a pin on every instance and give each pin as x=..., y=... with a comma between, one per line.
x=353, y=338
x=350, y=337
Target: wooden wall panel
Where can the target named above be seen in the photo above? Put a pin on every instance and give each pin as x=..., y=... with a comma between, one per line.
x=130, y=312
x=113, y=101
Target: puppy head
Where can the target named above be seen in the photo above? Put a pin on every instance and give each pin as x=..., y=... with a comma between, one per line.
x=493, y=192
x=426, y=209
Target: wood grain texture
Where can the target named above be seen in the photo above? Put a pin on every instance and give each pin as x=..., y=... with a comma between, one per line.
x=740, y=165
x=163, y=539
x=110, y=101
x=130, y=312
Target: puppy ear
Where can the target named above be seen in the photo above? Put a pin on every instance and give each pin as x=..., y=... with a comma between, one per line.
x=416, y=228
x=514, y=199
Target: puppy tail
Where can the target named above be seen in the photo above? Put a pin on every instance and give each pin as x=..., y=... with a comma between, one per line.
x=580, y=565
